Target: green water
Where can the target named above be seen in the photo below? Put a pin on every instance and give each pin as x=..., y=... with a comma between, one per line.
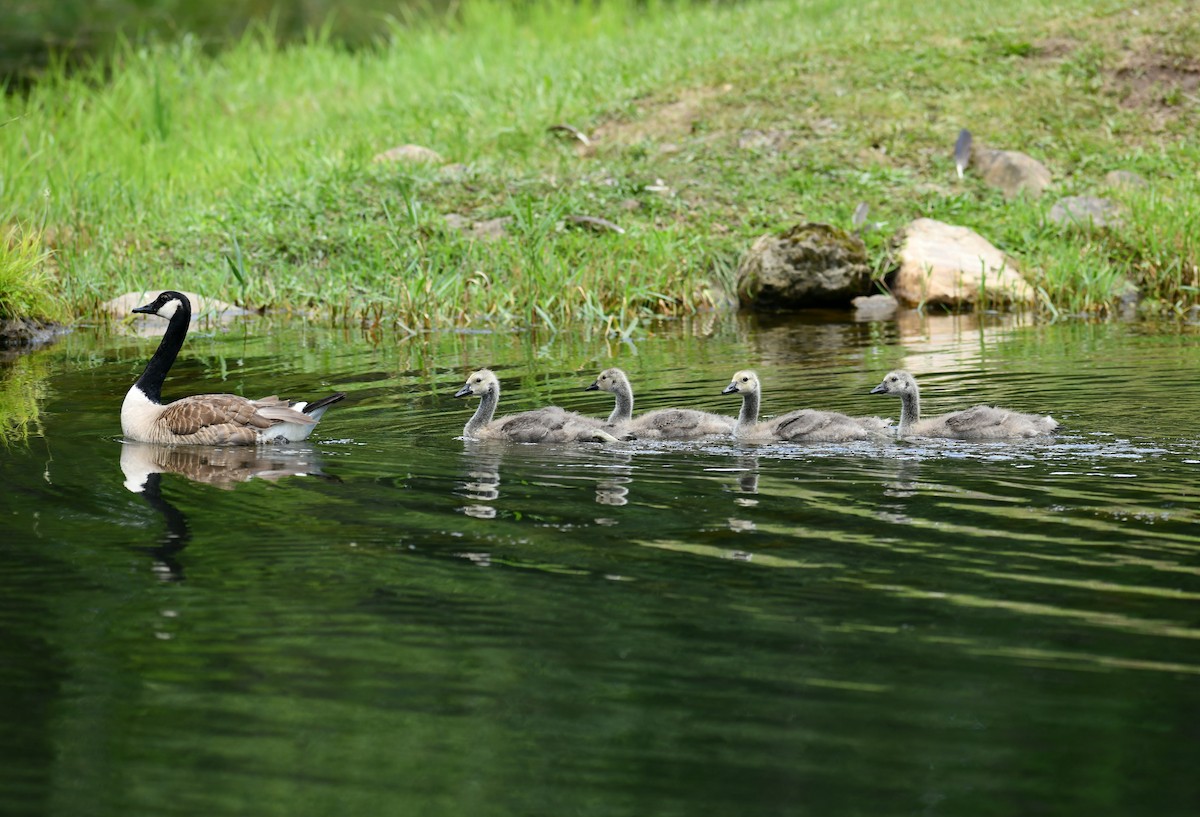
x=420, y=625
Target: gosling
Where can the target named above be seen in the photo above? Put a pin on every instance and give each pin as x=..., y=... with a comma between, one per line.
x=661, y=424
x=804, y=425
x=545, y=425
x=975, y=423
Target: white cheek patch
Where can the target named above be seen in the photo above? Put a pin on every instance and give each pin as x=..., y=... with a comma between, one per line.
x=168, y=309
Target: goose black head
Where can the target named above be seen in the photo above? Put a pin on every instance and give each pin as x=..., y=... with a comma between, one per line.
x=166, y=305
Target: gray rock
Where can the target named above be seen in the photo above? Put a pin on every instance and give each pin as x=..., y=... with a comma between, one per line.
x=27, y=333
x=1086, y=212
x=809, y=265
x=1125, y=179
x=953, y=266
x=1011, y=171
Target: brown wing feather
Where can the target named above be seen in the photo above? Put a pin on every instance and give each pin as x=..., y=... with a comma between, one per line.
x=191, y=414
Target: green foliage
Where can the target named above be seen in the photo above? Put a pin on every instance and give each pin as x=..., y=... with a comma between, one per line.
x=248, y=175
x=27, y=288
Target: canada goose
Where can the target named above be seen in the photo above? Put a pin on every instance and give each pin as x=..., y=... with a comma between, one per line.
x=662, y=424
x=975, y=423
x=805, y=425
x=206, y=419
x=545, y=425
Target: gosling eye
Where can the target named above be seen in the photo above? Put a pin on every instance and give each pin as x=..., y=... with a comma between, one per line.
x=745, y=380
x=477, y=380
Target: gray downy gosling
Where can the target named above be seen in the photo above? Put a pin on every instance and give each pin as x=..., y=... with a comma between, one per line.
x=804, y=425
x=975, y=423
x=660, y=424
x=545, y=425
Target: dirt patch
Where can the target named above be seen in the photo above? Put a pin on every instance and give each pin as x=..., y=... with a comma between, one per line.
x=1152, y=81
x=1054, y=48
x=659, y=121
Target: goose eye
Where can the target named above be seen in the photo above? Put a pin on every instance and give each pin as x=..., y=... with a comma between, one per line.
x=745, y=380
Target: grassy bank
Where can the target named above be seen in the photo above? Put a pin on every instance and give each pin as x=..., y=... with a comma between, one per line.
x=249, y=176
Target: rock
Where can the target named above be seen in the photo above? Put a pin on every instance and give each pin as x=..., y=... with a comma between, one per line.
x=807, y=266
x=202, y=306
x=455, y=172
x=27, y=333
x=488, y=230
x=594, y=223
x=946, y=264
x=457, y=222
x=875, y=307
x=1086, y=211
x=1125, y=179
x=1011, y=171
x=414, y=154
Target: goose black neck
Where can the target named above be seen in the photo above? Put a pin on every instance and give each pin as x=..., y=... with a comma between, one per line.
x=152, y=379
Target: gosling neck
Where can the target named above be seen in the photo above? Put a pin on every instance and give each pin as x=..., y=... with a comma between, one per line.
x=910, y=410
x=623, y=411
x=749, y=413
x=484, y=413
x=152, y=378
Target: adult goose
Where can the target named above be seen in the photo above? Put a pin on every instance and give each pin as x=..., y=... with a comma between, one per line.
x=804, y=425
x=975, y=423
x=206, y=419
x=545, y=425
x=661, y=424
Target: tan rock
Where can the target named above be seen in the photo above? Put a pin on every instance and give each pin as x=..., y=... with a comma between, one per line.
x=202, y=306
x=946, y=264
x=1011, y=171
x=415, y=154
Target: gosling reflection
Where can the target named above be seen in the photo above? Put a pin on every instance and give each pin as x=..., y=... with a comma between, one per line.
x=747, y=487
x=614, y=488
x=143, y=465
x=481, y=477
x=900, y=487
x=479, y=474
x=747, y=478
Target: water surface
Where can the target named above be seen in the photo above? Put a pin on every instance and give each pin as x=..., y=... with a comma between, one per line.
x=390, y=620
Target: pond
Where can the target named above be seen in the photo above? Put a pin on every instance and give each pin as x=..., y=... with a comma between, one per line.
x=390, y=620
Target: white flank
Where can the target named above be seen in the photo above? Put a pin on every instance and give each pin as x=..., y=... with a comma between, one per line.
x=138, y=414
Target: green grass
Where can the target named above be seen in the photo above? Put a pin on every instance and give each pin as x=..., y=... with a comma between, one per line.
x=248, y=175
x=27, y=286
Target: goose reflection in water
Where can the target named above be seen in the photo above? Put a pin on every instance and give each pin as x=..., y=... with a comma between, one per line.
x=143, y=465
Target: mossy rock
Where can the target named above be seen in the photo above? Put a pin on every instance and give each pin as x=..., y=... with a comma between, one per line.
x=809, y=265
